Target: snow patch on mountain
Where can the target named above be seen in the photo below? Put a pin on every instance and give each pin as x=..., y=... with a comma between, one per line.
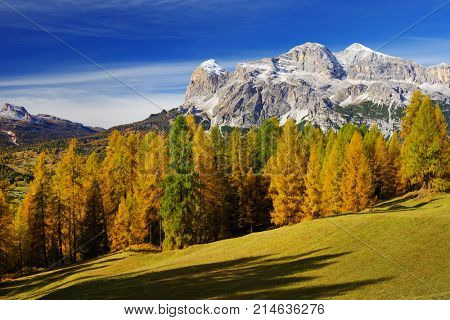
x=12, y=112
x=297, y=115
x=311, y=82
x=212, y=66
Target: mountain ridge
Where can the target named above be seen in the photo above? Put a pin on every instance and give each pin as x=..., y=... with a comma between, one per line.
x=19, y=127
x=312, y=83
x=307, y=83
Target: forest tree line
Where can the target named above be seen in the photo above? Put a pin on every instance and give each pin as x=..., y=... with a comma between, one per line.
x=193, y=186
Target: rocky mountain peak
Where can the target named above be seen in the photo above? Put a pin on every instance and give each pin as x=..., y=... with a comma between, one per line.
x=18, y=126
x=309, y=82
x=12, y=112
x=362, y=63
x=211, y=66
x=314, y=58
x=440, y=74
x=357, y=53
x=308, y=45
x=358, y=46
x=206, y=79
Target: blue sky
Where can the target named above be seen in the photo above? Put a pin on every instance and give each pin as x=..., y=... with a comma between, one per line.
x=155, y=45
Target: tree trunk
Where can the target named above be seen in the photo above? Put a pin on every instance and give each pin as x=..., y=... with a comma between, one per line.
x=21, y=258
x=160, y=232
x=44, y=249
x=74, y=240
x=150, y=232
x=60, y=252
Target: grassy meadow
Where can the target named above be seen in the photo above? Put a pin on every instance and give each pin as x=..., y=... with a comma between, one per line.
x=399, y=249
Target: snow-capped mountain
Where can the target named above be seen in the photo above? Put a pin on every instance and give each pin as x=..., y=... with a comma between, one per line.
x=11, y=112
x=310, y=82
x=18, y=126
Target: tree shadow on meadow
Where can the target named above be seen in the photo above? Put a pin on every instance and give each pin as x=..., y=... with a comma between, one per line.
x=397, y=201
x=43, y=279
x=261, y=277
x=387, y=207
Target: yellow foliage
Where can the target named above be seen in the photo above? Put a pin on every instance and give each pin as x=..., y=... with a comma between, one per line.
x=313, y=185
x=287, y=169
x=356, y=186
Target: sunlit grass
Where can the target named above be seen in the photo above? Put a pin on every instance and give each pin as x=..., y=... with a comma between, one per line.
x=398, y=250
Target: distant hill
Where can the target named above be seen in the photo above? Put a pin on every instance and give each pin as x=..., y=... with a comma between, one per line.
x=18, y=127
x=160, y=122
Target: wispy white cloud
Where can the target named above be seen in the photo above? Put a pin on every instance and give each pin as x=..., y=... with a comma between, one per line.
x=94, y=98
x=91, y=96
x=99, y=110
x=126, y=19
x=155, y=71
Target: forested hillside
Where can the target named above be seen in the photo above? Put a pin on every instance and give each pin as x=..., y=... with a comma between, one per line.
x=192, y=186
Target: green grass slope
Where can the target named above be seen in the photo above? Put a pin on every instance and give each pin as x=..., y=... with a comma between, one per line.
x=399, y=250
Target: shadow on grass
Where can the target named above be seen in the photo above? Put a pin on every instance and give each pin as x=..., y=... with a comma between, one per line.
x=261, y=277
x=398, y=207
x=389, y=203
x=386, y=207
x=38, y=281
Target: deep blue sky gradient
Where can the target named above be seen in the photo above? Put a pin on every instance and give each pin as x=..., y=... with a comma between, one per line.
x=135, y=34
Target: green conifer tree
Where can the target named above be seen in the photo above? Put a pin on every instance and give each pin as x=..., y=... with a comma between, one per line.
x=179, y=205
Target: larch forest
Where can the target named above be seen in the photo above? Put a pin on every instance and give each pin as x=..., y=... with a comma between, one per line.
x=194, y=186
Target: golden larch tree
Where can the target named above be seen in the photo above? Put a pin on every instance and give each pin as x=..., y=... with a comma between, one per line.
x=332, y=176
x=36, y=208
x=152, y=161
x=121, y=232
x=313, y=183
x=356, y=187
x=287, y=169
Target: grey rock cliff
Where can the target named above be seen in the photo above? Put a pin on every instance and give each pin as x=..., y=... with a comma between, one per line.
x=311, y=83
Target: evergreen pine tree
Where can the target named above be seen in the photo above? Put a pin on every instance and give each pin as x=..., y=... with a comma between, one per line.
x=382, y=170
x=266, y=142
x=426, y=147
x=179, y=205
